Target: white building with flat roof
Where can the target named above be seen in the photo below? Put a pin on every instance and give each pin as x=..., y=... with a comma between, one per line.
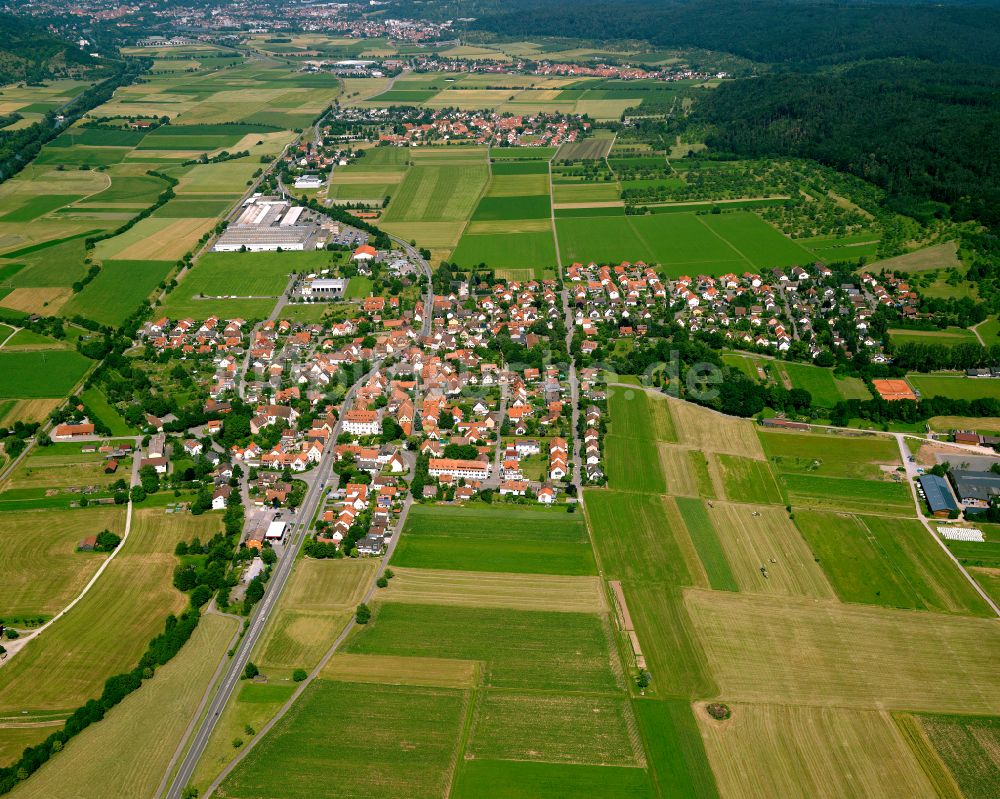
x=276, y=531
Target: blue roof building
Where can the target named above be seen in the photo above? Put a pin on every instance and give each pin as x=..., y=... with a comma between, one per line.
x=939, y=497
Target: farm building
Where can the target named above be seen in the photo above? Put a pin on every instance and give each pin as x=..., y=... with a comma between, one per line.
x=975, y=488
x=938, y=493
x=67, y=431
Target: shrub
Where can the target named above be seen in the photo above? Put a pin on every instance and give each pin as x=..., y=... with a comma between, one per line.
x=299, y=675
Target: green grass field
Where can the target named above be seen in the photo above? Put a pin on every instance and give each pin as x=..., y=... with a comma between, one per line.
x=968, y=747
x=681, y=243
x=675, y=752
x=955, y=387
x=530, y=250
x=438, y=193
x=749, y=480
x=506, y=779
x=98, y=404
x=503, y=539
x=41, y=373
x=891, y=562
x=948, y=337
x=532, y=206
x=534, y=650
x=410, y=750
x=825, y=455
x=706, y=541
x=838, y=493
x=117, y=291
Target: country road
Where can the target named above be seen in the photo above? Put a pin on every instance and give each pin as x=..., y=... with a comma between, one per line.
x=323, y=481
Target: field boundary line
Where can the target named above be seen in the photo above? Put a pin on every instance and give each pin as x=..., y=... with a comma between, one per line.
x=552, y=218
x=726, y=241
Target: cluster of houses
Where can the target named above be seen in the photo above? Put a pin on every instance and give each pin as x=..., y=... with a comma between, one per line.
x=486, y=127
x=440, y=63
x=767, y=312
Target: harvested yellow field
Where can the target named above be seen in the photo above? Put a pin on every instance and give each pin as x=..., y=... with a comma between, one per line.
x=496, y=590
x=678, y=470
x=29, y=410
x=760, y=647
x=351, y=178
x=152, y=720
x=504, y=226
x=822, y=753
x=392, y=670
x=755, y=536
x=443, y=235
x=517, y=185
x=318, y=585
x=45, y=301
x=298, y=639
x=710, y=431
x=167, y=243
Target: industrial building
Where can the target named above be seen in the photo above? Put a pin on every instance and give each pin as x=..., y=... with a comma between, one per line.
x=324, y=288
x=268, y=224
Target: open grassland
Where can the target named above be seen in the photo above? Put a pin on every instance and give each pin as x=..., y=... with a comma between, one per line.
x=970, y=748
x=633, y=464
x=675, y=753
x=508, y=779
x=152, y=721
x=595, y=730
x=949, y=337
x=410, y=751
x=119, y=288
x=680, y=242
x=756, y=537
x=955, y=387
x=845, y=655
x=15, y=739
x=127, y=606
x=41, y=373
x=639, y=414
x=40, y=569
x=825, y=389
x=497, y=590
x=837, y=493
x=826, y=455
x=884, y=561
x=710, y=431
x=748, y=480
x=782, y=750
x=393, y=670
x=940, y=256
x=498, y=539
x=521, y=649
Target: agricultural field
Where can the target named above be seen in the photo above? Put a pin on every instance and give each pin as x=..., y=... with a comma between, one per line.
x=748, y=480
x=40, y=373
x=825, y=388
x=949, y=337
x=40, y=569
x=810, y=751
x=152, y=720
x=680, y=243
x=747, y=639
x=709, y=431
x=849, y=494
x=411, y=751
x=890, y=562
x=499, y=539
x=825, y=455
x=968, y=747
x=129, y=605
x=119, y=288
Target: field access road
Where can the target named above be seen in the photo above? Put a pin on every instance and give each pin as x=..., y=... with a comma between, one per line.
x=258, y=621
x=15, y=646
x=911, y=476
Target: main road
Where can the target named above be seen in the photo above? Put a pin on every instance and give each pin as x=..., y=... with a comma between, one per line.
x=265, y=608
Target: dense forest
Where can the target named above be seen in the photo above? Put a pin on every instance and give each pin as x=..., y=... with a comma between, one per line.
x=30, y=53
x=768, y=31
x=928, y=134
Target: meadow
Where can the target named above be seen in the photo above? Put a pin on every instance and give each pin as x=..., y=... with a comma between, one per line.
x=848, y=494
x=706, y=542
x=41, y=373
x=825, y=388
x=119, y=288
x=826, y=455
x=508, y=779
x=411, y=751
x=559, y=652
x=686, y=471
x=889, y=562
x=495, y=539
x=128, y=605
x=748, y=480
x=40, y=569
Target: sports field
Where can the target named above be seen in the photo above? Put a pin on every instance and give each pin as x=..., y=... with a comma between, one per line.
x=496, y=539
x=955, y=387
